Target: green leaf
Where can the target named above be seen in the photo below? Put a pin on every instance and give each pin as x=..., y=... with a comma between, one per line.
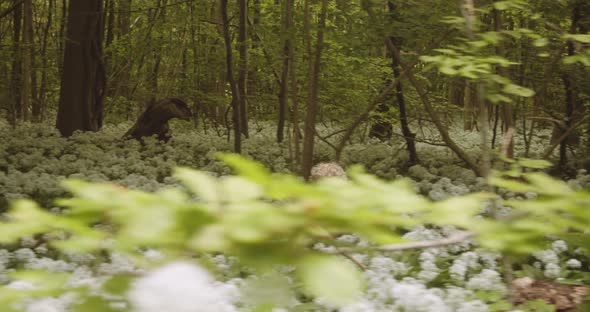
x=583, y=38
x=518, y=90
x=502, y=5
x=547, y=185
x=246, y=168
x=238, y=189
x=332, y=279
x=540, y=42
x=534, y=163
x=200, y=183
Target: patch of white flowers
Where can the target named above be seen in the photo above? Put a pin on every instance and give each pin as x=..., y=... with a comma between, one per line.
x=182, y=287
x=34, y=159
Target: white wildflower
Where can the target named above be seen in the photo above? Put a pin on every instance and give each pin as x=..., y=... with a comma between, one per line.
x=559, y=246
x=574, y=264
x=179, y=287
x=552, y=270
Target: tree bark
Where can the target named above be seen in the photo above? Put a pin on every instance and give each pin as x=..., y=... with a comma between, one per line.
x=571, y=92
x=312, y=101
x=44, y=59
x=403, y=118
x=243, y=70
x=284, y=87
x=29, y=90
x=16, y=79
x=235, y=103
x=62, y=36
x=468, y=11
x=293, y=91
x=506, y=108
x=83, y=81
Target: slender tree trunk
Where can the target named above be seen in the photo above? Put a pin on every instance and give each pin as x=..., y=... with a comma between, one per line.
x=122, y=83
x=235, y=103
x=62, y=36
x=110, y=18
x=82, y=87
x=243, y=71
x=506, y=109
x=405, y=127
x=16, y=79
x=293, y=91
x=284, y=87
x=44, y=59
x=468, y=10
x=29, y=90
x=196, y=82
x=312, y=101
x=570, y=88
x=159, y=13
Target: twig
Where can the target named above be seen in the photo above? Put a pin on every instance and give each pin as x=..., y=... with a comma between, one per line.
x=455, y=238
x=564, y=136
x=10, y=9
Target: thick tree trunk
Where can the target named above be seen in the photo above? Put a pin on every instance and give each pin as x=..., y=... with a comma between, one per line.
x=243, y=71
x=312, y=101
x=235, y=103
x=83, y=81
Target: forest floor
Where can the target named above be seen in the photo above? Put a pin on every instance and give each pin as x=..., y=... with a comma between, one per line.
x=460, y=277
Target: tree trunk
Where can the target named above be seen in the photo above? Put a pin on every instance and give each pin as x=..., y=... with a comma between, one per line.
x=506, y=108
x=16, y=79
x=82, y=87
x=403, y=118
x=235, y=103
x=29, y=101
x=62, y=36
x=159, y=13
x=122, y=80
x=571, y=92
x=284, y=88
x=468, y=11
x=44, y=58
x=243, y=71
x=293, y=91
x=312, y=101
x=405, y=127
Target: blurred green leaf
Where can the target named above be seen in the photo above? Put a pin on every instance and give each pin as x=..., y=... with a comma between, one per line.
x=330, y=278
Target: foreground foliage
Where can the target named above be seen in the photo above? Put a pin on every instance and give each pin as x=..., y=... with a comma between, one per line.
x=270, y=219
